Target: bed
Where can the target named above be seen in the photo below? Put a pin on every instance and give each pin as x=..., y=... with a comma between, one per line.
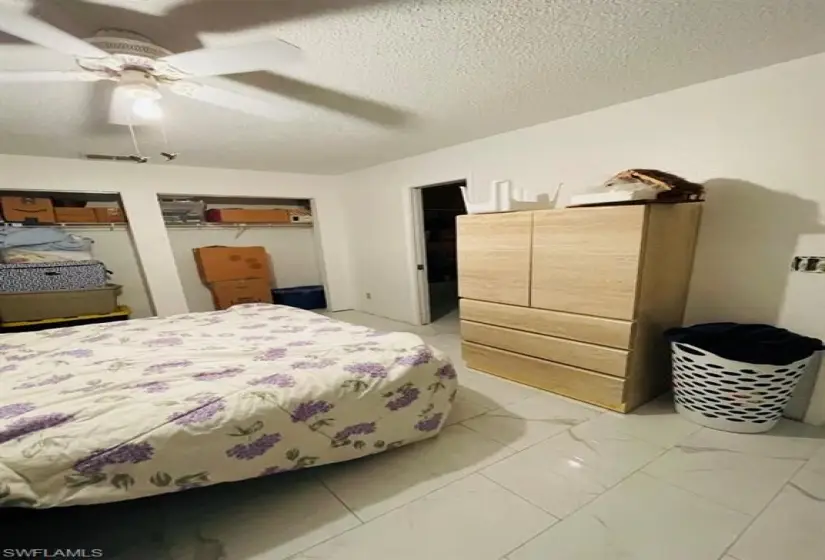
x=117, y=411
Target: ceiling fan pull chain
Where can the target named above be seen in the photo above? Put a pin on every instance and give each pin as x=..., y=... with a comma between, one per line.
x=165, y=137
x=167, y=153
x=138, y=157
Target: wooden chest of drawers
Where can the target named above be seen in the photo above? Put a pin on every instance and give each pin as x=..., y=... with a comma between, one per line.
x=575, y=301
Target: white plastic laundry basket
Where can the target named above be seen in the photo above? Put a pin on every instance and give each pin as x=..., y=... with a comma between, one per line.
x=729, y=395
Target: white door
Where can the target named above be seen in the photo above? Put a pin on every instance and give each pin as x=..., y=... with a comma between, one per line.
x=420, y=256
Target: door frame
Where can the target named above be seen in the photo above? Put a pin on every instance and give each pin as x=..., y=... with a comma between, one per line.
x=418, y=254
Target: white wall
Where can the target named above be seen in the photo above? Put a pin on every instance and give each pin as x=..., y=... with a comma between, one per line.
x=115, y=249
x=758, y=138
x=292, y=252
x=139, y=186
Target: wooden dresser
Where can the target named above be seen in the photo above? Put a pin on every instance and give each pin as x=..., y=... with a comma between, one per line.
x=575, y=301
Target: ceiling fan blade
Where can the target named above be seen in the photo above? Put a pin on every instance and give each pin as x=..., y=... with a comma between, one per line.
x=231, y=100
x=237, y=59
x=306, y=93
x=222, y=16
x=27, y=27
x=48, y=76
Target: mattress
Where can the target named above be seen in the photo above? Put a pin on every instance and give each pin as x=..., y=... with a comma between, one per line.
x=118, y=411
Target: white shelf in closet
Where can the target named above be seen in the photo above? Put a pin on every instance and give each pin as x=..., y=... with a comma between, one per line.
x=73, y=225
x=214, y=225
x=207, y=225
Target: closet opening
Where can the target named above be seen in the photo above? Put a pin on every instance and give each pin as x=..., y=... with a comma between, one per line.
x=435, y=209
x=233, y=250
x=67, y=258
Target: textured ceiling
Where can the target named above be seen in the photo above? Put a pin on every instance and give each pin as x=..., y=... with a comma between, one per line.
x=414, y=75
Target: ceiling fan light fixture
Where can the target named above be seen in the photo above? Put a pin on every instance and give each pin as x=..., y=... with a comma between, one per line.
x=140, y=91
x=140, y=94
x=147, y=108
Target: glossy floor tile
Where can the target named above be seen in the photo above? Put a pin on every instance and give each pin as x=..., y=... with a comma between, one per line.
x=811, y=478
x=792, y=525
x=265, y=519
x=517, y=474
x=654, y=422
x=532, y=420
x=375, y=485
x=466, y=407
x=472, y=519
x=640, y=519
x=571, y=469
x=499, y=392
x=788, y=440
x=743, y=482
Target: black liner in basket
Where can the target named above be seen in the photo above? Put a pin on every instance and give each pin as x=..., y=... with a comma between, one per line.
x=753, y=344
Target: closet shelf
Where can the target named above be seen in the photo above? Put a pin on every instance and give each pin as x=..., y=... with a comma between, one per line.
x=74, y=225
x=215, y=225
x=205, y=225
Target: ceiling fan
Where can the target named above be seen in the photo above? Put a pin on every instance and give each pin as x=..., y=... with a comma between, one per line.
x=144, y=72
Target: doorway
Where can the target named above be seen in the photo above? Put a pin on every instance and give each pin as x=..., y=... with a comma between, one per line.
x=435, y=209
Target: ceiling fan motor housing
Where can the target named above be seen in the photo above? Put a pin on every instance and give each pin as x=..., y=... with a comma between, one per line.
x=140, y=84
x=130, y=51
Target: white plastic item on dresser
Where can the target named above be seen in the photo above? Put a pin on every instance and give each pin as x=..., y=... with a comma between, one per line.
x=611, y=197
x=503, y=197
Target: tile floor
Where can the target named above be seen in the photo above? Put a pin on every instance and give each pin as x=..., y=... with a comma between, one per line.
x=518, y=474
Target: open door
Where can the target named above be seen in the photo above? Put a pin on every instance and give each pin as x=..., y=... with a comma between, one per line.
x=420, y=235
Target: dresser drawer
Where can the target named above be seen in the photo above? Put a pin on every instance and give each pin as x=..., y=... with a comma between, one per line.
x=596, y=330
x=580, y=354
x=576, y=383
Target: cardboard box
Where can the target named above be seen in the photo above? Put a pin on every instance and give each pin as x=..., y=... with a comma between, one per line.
x=300, y=216
x=37, y=306
x=27, y=210
x=68, y=203
x=247, y=216
x=220, y=264
x=110, y=215
x=75, y=215
x=234, y=292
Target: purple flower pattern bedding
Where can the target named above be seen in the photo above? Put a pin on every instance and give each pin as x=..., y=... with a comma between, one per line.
x=117, y=411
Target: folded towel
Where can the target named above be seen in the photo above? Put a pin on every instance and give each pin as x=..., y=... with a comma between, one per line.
x=42, y=239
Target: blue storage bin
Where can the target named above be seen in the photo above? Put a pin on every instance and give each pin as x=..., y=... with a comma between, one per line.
x=302, y=297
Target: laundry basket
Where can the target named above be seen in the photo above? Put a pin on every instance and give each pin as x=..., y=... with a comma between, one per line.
x=737, y=378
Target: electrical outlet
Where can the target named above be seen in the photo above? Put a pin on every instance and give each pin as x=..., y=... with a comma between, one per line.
x=369, y=295
x=808, y=264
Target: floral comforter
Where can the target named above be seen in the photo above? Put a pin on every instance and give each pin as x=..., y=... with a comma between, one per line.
x=117, y=411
